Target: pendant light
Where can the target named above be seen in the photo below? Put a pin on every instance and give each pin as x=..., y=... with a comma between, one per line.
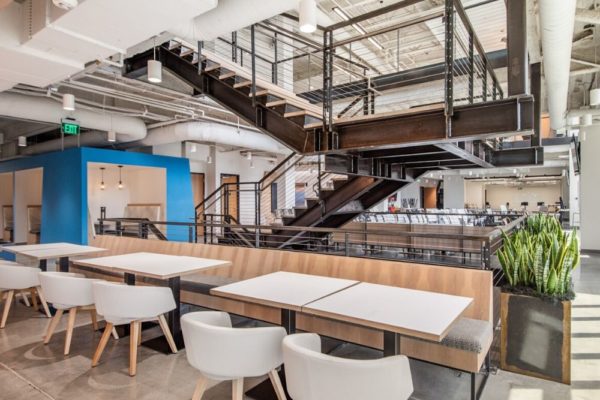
x=595, y=97
x=68, y=102
x=120, y=177
x=308, y=16
x=102, y=186
x=154, y=69
x=112, y=136
x=22, y=141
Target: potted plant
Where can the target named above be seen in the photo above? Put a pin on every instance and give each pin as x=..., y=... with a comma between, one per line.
x=535, y=307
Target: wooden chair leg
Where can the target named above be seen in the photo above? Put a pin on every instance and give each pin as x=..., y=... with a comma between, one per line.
x=94, y=317
x=70, y=326
x=43, y=301
x=34, y=301
x=103, y=340
x=24, y=297
x=201, y=386
x=134, y=333
x=52, y=326
x=7, y=303
x=238, y=389
x=274, y=377
x=167, y=332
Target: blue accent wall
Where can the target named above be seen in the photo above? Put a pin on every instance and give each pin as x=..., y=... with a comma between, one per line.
x=64, y=192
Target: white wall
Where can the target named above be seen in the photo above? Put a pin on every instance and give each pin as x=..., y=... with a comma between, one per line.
x=28, y=192
x=475, y=194
x=589, y=182
x=6, y=195
x=502, y=194
x=454, y=191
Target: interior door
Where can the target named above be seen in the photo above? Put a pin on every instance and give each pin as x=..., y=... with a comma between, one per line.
x=198, y=193
x=429, y=197
x=230, y=198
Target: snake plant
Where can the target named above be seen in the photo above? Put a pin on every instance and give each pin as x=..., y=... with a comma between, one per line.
x=540, y=256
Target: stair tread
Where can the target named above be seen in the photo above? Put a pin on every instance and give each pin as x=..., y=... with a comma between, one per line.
x=242, y=84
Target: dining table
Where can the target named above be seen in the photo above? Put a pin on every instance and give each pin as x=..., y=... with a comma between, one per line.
x=49, y=251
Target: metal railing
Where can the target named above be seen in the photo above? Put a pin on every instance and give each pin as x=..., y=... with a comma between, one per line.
x=468, y=249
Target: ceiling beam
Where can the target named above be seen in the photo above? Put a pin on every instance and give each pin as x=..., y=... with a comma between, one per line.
x=463, y=154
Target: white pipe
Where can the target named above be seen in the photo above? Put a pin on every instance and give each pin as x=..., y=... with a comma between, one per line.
x=230, y=16
x=47, y=110
x=212, y=133
x=557, y=19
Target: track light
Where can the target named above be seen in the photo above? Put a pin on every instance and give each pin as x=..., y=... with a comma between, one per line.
x=308, y=16
x=22, y=141
x=68, y=102
x=112, y=136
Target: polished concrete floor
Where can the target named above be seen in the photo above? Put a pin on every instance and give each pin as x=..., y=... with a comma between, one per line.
x=29, y=370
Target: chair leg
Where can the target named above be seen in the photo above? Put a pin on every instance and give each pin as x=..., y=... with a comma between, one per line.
x=34, y=301
x=94, y=318
x=24, y=297
x=103, y=340
x=200, y=388
x=134, y=333
x=238, y=389
x=167, y=332
x=70, y=326
x=52, y=326
x=115, y=335
x=274, y=376
x=7, y=303
x=43, y=301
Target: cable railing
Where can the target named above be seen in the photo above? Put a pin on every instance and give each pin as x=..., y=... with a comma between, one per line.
x=471, y=248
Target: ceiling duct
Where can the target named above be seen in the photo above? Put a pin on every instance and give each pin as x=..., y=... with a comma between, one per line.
x=557, y=20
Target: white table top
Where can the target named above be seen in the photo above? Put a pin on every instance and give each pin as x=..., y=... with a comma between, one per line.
x=153, y=265
x=57, y=252
x=18, y=249
x=417, y=313
x=283, y=289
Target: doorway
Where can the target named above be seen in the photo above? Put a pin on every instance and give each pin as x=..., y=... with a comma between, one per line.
x=230, y=197
x=429, y=197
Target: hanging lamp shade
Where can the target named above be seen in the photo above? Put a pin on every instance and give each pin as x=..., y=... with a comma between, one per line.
x=68, y=102
x=595, y=97
x=154, y=71
x=308, y=16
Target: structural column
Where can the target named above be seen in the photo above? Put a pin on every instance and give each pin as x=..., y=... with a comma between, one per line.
x=516, y=30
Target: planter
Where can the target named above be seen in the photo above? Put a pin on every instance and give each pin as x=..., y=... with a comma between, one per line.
x=536, y=337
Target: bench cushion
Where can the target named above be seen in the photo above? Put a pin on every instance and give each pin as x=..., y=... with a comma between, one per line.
x=469, y=334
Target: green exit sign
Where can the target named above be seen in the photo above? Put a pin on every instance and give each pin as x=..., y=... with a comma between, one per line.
x=69, y=127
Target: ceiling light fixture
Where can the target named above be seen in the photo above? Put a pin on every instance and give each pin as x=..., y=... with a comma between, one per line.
x=120, y=177
x=102, y=186
x=154, y=69
x=68, y=102
x=112, y=136
x=193, y=148
x=22, y=140
x=249, y=156
x=308, y=16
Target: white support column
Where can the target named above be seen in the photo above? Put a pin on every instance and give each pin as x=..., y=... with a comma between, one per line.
x=454, y=191
x=590, y=189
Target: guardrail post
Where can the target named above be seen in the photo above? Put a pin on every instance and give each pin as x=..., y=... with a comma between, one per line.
x=346, y=244
x=253, y=57
x=449, y=85
x=190, y=234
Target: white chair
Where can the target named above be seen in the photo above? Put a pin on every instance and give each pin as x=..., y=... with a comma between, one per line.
x=124, y=304
x=68, y=292
x=311, y=375
x=19, y=278
x=22, y=293
x=222, y=353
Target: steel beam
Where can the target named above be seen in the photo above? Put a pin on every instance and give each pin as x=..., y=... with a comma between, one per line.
x=463, y=154
x=516, y=28
x=501, y=118
x=536, y=92
x=518, y=157
x=402, y=151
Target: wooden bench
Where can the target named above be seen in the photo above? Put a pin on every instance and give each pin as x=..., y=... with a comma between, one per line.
x=455, y=352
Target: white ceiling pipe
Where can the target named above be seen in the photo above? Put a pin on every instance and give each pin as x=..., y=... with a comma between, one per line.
x=47, y=110
x=557, y=19
x=587, y=16
x=213, y=133
x=229, y=16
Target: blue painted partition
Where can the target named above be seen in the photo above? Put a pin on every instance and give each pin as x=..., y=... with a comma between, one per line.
x=64, y=192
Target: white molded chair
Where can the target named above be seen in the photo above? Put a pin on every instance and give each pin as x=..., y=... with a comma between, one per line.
x=311, y=375
x=22, y=293
x=68, y=292
x=222, y=353
x=19, y=278
x=123, y=304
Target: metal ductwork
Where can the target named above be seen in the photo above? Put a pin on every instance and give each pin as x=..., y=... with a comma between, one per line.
x=212, y=133
x=47, y=110
x=230, y=16
x=557, y=20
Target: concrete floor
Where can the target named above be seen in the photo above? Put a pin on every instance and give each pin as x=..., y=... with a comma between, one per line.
x=29, y=370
